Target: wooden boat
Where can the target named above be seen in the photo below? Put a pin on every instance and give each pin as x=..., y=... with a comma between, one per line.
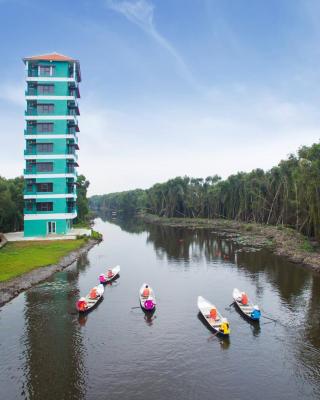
x=86, y=304
x=148, y=303
x=213, y=317
x=247, y=308
x=110, y=275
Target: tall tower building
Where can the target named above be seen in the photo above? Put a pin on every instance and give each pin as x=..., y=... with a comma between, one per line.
x=51, y=143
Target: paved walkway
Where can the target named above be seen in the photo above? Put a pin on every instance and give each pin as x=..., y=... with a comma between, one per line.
x=18, y=236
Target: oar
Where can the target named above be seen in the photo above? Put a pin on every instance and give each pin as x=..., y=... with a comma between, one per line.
x=132, y=308
x=228, y=308
x=271, y=319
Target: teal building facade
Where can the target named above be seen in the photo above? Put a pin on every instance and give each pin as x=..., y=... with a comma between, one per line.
x=51, y=137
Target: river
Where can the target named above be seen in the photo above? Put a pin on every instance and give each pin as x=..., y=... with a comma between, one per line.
x=116, y=352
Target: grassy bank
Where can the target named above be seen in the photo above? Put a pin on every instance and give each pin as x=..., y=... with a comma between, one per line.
x=17, y=258
x=281, y=240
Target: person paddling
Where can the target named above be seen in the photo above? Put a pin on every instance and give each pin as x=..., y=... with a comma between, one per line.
x=146, y=291
x=109, y=273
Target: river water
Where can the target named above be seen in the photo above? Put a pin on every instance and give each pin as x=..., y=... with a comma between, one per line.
x=116, y=352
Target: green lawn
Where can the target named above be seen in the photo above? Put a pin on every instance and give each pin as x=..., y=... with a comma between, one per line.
x=17, y=258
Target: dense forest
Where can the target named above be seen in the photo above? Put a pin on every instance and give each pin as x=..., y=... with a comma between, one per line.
x=288, y=194
x=11, y=203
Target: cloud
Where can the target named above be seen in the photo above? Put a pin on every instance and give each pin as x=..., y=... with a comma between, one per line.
x=13, y=93
x=141, y=13
x=125, y=150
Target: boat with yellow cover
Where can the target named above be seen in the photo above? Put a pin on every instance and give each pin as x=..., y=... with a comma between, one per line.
x=213, y=317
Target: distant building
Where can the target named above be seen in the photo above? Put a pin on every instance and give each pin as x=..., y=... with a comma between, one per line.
x=51, y=143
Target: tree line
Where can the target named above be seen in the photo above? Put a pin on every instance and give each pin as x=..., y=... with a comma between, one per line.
x=288, y=195
x=12, y=203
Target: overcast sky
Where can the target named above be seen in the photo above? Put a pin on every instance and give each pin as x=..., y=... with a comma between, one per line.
x=170, y=87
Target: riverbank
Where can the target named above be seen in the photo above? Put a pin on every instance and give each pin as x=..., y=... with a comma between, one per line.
x=24, y=264
x=280, y=240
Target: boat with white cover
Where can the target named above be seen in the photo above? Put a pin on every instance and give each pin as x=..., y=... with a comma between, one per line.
x=246, y=307
x=87, y=303
x=147, y=297
x=110, y=275
x=213, y=317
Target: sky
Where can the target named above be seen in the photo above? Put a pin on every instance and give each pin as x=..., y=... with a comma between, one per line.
x=170, y=87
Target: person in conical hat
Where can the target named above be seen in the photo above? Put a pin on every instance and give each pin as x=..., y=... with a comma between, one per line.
x=109, y=273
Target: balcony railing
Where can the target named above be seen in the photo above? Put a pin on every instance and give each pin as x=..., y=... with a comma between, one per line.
x=30, y=151
x=31, y=91
x=73, y=111
x=34, y=74
x=30, y=170
x=35, y=111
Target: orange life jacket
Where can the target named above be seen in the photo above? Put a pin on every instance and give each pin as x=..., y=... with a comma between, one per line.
x=213, y=313
x=244, y=299
x=146, y=292
x=93, y=293
x=82, y=305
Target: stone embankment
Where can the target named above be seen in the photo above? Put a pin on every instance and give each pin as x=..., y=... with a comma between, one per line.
x=10, y=289
x=280, y=240
x=3, y=240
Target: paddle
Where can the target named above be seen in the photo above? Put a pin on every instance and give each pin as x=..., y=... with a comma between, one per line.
x=132, y=308
x=271, y=319
x=228, y=308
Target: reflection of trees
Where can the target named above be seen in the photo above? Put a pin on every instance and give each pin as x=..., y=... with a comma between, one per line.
x=289, y=279
x=54, y=344
x=131, y=225
x=309, y=355
x=182, y=244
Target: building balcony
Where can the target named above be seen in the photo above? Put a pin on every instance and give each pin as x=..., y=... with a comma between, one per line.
x=30, y=171
x=35, y=73
x=34, y=111
x=73, y=111
x=31, y=92
x=30, y=152
x=31, y=111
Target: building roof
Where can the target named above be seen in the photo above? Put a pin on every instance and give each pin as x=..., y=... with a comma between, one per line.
x=50, y=57
x=55, y=57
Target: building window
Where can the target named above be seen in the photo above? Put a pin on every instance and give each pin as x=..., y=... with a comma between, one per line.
x=44, y=206
x=44, y=70
x=44, y=187
x=44, y=167
x=30, y=165
x=45, y=89
x=45, y=108
x=28, y=205
x=70, y=168
x=29, y=185
x=45, y=147
x=45, y=127
x=30, y=126
x=30, y=145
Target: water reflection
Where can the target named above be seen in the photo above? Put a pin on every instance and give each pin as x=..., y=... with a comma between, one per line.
x=223, y=341
x=182, y=245
x=149, y=316
x=255, y=325
x=55, y=352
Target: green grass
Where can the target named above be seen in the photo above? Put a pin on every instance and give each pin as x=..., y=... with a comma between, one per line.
x=84, y=225
x=96, y=235
x=306, y=246
x=17, y=258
